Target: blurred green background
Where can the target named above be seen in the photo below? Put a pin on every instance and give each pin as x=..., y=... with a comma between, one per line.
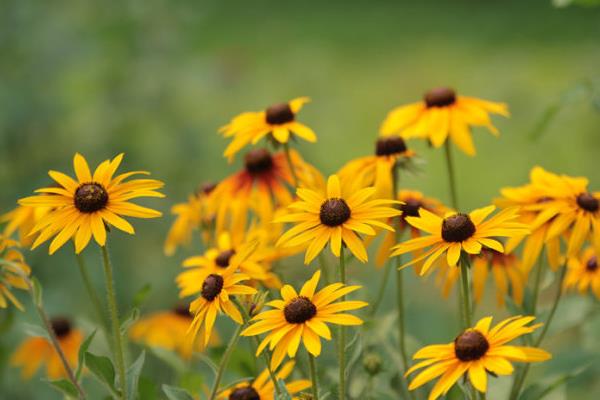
x=156, y=78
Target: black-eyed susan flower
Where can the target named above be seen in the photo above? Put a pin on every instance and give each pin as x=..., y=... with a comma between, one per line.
x=507, y=273
x=22, y=219
x=190, y=216
x=278, y=121
x=82, y=207
x=583, y=273
x=443, y=115
x=303, y=317
x=376, y=170
x=262, y=388
x=167, y=330
x=214, y=298
x=475, y=353
x=458, y=232
x=335, y=217
x=13, y=271
x=34, y=352
x=262, y=186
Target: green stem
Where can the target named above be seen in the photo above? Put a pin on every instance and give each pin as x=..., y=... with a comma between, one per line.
x=92, y=293
x=224, y=360
x=114, y=317
x=451, y=179
x=342, y=334
x=381, y=290
x=520, y=377
x=288, y=157
x=313, y=376
x=465, y=294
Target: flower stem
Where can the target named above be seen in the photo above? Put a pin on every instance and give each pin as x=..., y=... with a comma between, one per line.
x=114, y=317
x=342, y=334
x=224, y=360
x=520, y=377
x=92, y=293
x=288, y=157
x=313, y=376
x=451, y=179
x=465, y=293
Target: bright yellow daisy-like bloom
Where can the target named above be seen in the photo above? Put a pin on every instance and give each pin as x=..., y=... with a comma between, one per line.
x=82, y=207
x=36, y=351
x=459, y=232
x=376, y=170
x=335, y=217
x=507, y=272
x=442, y=114
x=279, y=120
x=262, y=388
x=12, y=272
x=583, y=273
x=303, y=317
x=190, y=216
x=22, y=219
x=475, y=352
x=215, y=290
x=167, y=330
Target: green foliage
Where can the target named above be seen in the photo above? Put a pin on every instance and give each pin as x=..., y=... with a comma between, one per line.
x=81, y=354
x=133, y=375
x=103, y=369
x=175, y=393
x=65, y=387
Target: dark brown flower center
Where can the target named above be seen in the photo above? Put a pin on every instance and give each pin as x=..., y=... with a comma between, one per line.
x=258, y=161
x=223, y=258
x=61, y=326
x=279, y=114
x=470, y=345
x=299, y=310
x=440, y=97
x=411, y=207
x=588, y=202
x=334, y=212
x=90, y=197
x=389, y=146
x=592, y=264
x=244, y=393
x=457, y=228
x=212, y=286
x=182, y=310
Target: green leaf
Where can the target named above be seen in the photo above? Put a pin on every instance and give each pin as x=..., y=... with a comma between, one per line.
x=141, y=295
x=66, y=387
x=134, y=315
x=133, y=374
x=37, y=291
x=102, y=368
x=175, y=393
x=82, y=350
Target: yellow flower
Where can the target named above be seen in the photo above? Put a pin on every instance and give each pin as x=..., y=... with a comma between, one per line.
x=583, y=273
x=459, y=232
x=376, y=170
x=477, y=351
x=505, y=268
x=336, y=218
x=23, y=219
x=167, y=330
x=279, y=120
x=443, y=114
x=11, y=272
x=35, y=351
x=214, y=297
x=262, y=186
x=262, y=388
x=303, y=317
x=82, y=207
x=191, y=215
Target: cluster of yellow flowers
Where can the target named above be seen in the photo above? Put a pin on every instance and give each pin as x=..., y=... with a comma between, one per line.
x=279, y=205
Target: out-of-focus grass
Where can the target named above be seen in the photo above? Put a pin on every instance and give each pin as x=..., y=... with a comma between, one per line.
x=155, y=79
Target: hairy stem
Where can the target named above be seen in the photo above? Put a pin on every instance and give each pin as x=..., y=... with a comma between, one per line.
x=342, y=334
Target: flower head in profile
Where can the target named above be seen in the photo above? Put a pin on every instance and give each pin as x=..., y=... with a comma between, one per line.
x=337, y=218
x=475, y=353
x=81, y=208
x=22, y=219
x=37, y=351
x=167, y=330
x=303, y=317
x=443, y=115
x=583, y=273
x=190, y=216
x=13, y=272
x=262, y=388
x=376, y=170
x=278, y=121
x=458, y=232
